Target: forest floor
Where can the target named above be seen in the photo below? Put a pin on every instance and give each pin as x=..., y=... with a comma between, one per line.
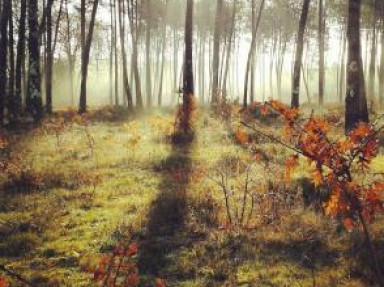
x=81, y=189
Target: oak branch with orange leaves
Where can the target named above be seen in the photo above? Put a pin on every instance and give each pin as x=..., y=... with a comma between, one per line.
x=337, y=164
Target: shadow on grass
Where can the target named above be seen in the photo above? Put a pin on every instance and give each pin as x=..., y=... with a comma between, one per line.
x=166, y=228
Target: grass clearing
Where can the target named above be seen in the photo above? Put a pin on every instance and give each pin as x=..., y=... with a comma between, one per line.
x=133, y=179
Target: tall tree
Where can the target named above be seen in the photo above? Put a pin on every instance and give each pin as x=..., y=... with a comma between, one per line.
x=381, y=72
x=372, y=64
x=49, y=64
x=127, y=88
x=355, y=102
x=148, y=62
x=255, y=27
x=216, y=52
x=34, y=100
x=295, y=101
x=133, y=19
x=20, y=56
x=3, y=55
x=164, y=45
x=188, y=79
x=86, y=49
x=229, y=47
x=321, y=51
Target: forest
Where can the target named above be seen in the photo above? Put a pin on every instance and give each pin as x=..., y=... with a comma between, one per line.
x=188, y=143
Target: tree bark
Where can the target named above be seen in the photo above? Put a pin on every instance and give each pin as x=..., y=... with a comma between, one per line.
x=85, y=57
x=381, y=75
x=132, y=12
x=127, y=88
x=6, y=7
x=355, y=102
x=13, y=114
x=229, y=47
x=295, y=101
x=49, y=66
x=216, y=53
x=255, y=27
x=164, y=45
x=20, y=57
x=34, y=100
x=148, y=56
x=372, y=65
x=321, y=52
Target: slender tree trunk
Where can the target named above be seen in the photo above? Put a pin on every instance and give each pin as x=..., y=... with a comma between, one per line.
x=70, y=57
x=127, y=88
x=49, y=65
x=116, y=55
x=381, y=75
x=295, y=102
x=372, y=65
x=13, y=113
x=85, y=57
x=321, y=52
x=342, y=70
x=355, y=102
x=255, y=27
x=111, y=54
x=188, y=79
x=34, y=99
x=164, y=45
x=216, y=53
x=20, y=57
x=148, y=57
x=280, y=64
x=229, y=47
x=6, y=8
x=134, y=34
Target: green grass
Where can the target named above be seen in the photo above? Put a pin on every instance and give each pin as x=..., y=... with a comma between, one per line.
x=54, y=232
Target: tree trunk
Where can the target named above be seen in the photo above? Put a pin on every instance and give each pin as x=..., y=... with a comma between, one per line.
x=6, y=7
x=255, y=27
x=164, y=45
x=342, y=70
x=85, y=57
x=116, y=56
x=229, y=47
x=148, y=56
x=321, y=52
x=48, y=68
x=69, y=55
x=34, y=99
x=111, y=54
x=381, y=75
x=280, y=64
x=13, y=114
x=216, y=53
x=132, y=12
x=372, y=65
x=20, y=57
x=355, y=102
x=295, y=102
x=127, y=88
